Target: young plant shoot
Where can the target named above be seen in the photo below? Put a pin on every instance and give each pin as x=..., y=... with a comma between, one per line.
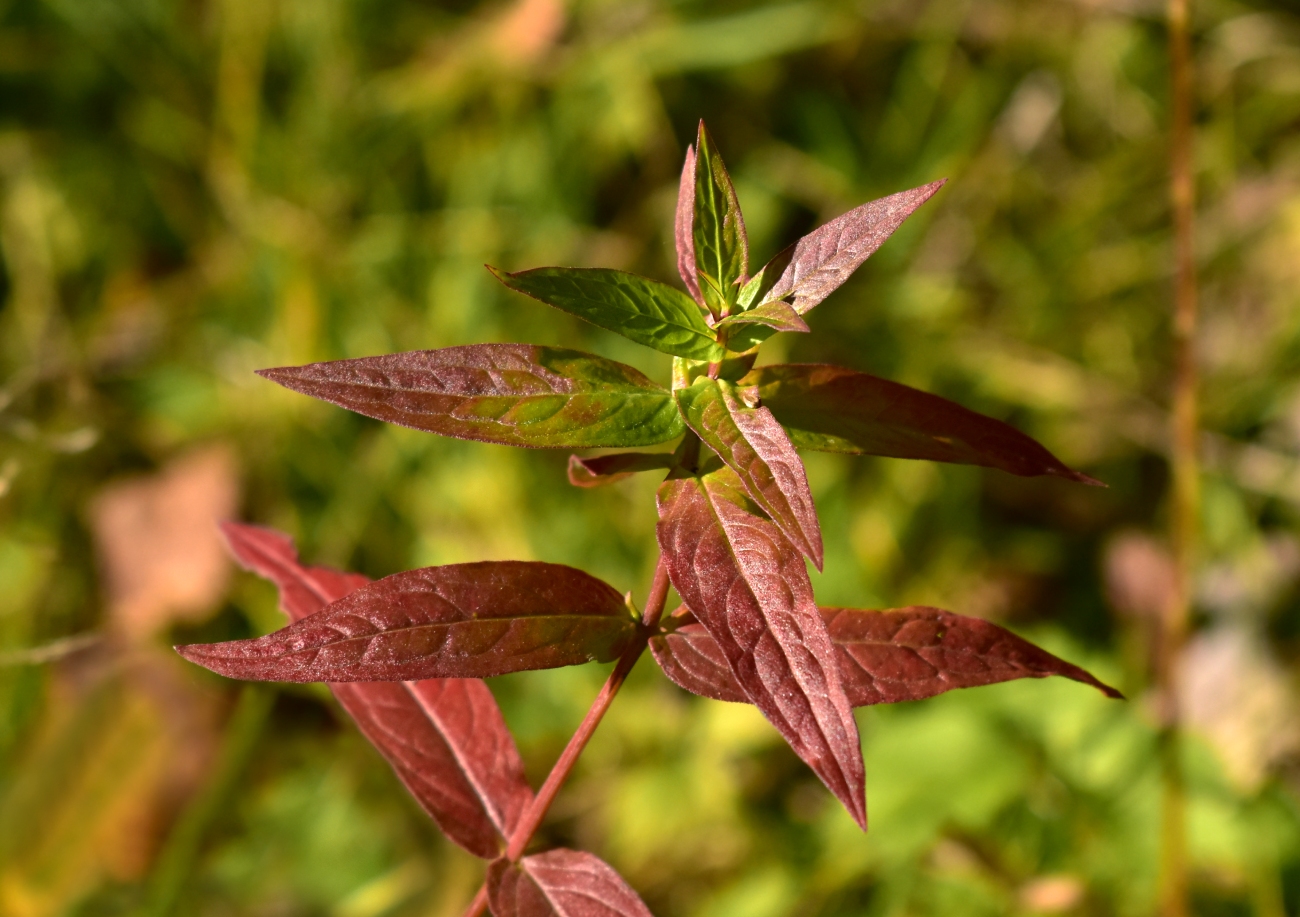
x=404, y=655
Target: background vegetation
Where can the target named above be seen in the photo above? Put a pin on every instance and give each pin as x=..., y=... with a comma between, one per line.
x=192, y=190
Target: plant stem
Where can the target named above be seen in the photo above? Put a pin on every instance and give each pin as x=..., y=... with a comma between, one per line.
x=1185, y=509
x=532, y=818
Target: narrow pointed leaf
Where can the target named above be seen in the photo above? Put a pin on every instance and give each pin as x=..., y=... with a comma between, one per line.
x=458, y=621
x=753, y=444
x=513, y=394
x=824, y=259
x=721, y=245
x=606, y=469
x=683, y=231
x=884, y=656
x=777, y=315
x=832, y=409
x=445, y=738
x=755, y=290
x=643, y=310
x=749, y=588
x=560, y=883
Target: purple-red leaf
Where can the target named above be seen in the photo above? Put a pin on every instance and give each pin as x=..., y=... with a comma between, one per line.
x=445, y=738
x=514, y=394
x=683, y=228
x=458, y=621
x=721, y=244
x=833, y=409
x=884, y=656
x=606, y=469
x=754, y=445
x=748, y=586
x=560, y=883
x=824, y=259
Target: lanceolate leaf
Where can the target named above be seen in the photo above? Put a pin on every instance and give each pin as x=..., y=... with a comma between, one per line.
x=777, y=315
x=721, y=245
x=560, y=883
x=458, y=621
x=644, y=310
x=514, y=394
x=824, y=259
x=606, y=469
x=750, y=589
x=683, y=228
x=884, y=656
x=753, y=445
x=445, y=738
x=832, y=409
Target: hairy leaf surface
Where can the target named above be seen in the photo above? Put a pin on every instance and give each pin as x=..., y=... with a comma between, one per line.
x=750, y=589
x=513, y=394
x=721, y=245
x=458, y=621
x=606, y=469
x=753, y=444
x=683, y=228
x=445, y=738
x=560, y=883
x=833, y=409
x=884, y=656
x=824, y=259
x=644, y=310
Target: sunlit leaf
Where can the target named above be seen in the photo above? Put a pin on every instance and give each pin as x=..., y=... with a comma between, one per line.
x=561, y=883
x=721, y=245
x=824, y=259
x=606, y=469
x=755, y=446
x=445, y=738
x=514, y=394
x=884, y=656
x=458, y=621
x=643, y=310
x=683, y=228
x=777, y=315
x=749, y=587
x=832, y=409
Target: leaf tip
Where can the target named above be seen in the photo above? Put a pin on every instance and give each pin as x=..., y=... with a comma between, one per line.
x=1087, y=479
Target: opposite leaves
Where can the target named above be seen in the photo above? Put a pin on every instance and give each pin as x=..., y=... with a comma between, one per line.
x=884, y=656
x=458, y=621
x=833, y=409
x=560, y=883
x=445, y=738
x=750, y=590
x=513, y=394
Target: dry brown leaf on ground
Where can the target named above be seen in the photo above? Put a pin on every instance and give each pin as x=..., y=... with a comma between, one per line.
x=160, y=554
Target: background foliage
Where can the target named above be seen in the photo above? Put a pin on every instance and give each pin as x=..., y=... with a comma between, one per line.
x=190, y=191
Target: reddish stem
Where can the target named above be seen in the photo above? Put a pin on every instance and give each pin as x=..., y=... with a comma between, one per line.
x=532, y=818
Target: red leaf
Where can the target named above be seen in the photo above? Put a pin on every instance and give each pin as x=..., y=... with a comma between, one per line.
x=825, y=258
x=606, y=469
x=458, y=621
x=833, y=409
x=513, y=394
x=757, y=449
x=683, y=228
x=445, y=738
x=750, y=589
x=561, y=883
x=884, y=656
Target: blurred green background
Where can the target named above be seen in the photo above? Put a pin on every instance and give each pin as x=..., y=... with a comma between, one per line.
x=193, y=190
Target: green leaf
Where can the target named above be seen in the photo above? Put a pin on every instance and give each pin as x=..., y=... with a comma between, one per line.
x=513, y=394
x=721, y=246
x=644, y=310
x=746, y=329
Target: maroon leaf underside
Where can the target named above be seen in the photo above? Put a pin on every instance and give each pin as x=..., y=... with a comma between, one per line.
x=827, y=256
x=834, y=409
x=606, y=469
x=756, y=447
x=884, y=657
x=560, y=883
x=683, y=228
x=445, y=738
x=459, y=621
x=751, y=591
